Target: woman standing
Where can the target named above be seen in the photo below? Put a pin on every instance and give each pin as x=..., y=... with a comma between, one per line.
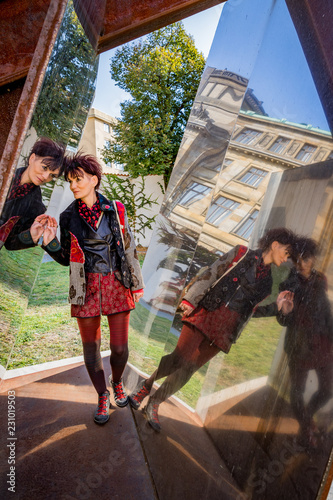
x=215, y=310
x=24, y=202
x=105, y=274
x=309, y=337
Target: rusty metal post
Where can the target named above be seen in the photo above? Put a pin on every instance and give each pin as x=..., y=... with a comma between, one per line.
x=30, y=95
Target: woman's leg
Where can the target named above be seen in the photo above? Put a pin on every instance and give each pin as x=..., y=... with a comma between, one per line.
x=324, y=392
x=298, y=378
x=189, y=340
x=188, y=343
x=118, y=324
x=194, y=350
x=90, y=331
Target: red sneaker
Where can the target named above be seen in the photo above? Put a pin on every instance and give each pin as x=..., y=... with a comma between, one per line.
x=101, y=415
x=120, y=396
x=138, y=395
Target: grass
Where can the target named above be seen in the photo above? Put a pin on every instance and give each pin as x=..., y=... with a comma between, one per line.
x=49, y=333
x=51, y=286
x=17, y=275
x=19, y=268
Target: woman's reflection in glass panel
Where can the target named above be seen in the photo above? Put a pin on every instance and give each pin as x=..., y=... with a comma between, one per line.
x=24, y=202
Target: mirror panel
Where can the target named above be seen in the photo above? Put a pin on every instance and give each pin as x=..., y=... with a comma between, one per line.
x=255, y=155
x=71, y=71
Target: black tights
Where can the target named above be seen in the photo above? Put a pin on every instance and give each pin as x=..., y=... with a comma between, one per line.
x=90, y=331
x=298, y=378
x=193, y=350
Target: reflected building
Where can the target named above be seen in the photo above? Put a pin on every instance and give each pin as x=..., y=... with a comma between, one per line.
x=241, y=169
x=260, y=145
x=98, y=134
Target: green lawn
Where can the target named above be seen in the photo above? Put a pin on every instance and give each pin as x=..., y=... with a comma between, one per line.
x=49, y=333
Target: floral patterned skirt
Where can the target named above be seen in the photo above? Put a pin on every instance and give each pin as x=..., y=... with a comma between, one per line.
x=105, y=295
x=218, y=326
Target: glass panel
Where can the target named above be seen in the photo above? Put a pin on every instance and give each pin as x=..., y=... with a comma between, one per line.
x=246, y=227
x=279, y=145
x=60, y=114
x=247, y=136
x=194, y=192
x=253, y=177
x=244, y=394
x=305, y=153
x=220, y=209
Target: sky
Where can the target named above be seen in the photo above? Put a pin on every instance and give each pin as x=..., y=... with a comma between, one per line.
x=270, y=56
x=108, y=96
x=267, y=51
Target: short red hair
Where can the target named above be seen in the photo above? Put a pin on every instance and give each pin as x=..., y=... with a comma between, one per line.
x=85, y=162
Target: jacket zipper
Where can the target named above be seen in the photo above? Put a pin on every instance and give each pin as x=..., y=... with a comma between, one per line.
x=232, y=296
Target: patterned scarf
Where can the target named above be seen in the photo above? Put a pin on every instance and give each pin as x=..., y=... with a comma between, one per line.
x=262, y=270
x=90, y=215
x=19, y=190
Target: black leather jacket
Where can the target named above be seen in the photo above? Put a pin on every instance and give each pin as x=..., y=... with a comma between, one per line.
x=239, y=289
x=103, y=249
x=27, y=208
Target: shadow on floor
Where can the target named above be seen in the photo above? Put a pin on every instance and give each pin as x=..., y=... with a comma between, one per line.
x=59, y=452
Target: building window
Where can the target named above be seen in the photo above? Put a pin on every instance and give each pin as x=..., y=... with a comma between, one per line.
x=247, y=136
x=194, y=192
x=279, y=145
x=245, y=228
x=305, y=153
x=106, y=128
x=330, y=156
x=107, y=144
x=253, y=177
x=228, y=162
x=220, y=209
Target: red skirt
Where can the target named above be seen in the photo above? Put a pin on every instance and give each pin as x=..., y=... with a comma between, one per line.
x=218, y=326
x=105, y=295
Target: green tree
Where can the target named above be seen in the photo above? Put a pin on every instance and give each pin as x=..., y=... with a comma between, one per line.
x=134, y=199
x=69, y=84
x=162, y=73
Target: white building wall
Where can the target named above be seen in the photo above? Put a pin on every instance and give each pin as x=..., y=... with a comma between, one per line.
x=93, y=141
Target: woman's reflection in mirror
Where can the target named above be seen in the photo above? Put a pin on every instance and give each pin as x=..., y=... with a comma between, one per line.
x=24, y=202
x=105, y=273
x=309, y=339
x=216, y=307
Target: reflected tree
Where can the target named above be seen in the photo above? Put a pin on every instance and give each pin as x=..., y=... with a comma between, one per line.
x=162, y=74
x=68, y=86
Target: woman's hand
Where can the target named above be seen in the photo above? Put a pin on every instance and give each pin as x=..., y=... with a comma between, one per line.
x=38, y=227
x=285, y=302
x=137, y=296
x=50, y=231
x=186, y=308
